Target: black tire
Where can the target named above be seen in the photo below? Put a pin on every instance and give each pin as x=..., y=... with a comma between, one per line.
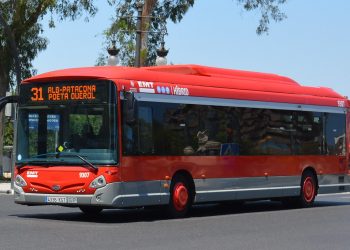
x=91, y=210
x=181, y=197
x=308, y=190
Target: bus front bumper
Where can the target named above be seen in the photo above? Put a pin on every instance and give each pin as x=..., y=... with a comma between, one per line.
x=113, y=195
x=105, y=196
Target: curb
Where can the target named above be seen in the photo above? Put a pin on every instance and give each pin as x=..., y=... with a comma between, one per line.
x=10, y=191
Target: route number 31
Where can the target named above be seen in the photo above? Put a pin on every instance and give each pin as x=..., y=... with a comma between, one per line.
x=37, y=94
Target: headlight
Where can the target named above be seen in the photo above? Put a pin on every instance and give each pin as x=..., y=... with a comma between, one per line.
x=98, y=182
x=20, y=181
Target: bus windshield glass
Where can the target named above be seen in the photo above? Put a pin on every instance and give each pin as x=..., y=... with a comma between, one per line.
x=59, y=121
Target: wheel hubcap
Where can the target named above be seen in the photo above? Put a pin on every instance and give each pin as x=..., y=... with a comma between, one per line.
x=180, y=196
x=308, y=189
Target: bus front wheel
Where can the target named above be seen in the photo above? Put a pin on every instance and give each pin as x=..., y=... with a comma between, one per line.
x=180, y=197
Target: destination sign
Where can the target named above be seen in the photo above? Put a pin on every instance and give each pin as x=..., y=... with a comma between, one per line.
x=95, y=92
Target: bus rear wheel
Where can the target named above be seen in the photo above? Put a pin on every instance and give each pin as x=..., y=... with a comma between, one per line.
x=308, y=190
x=91, y=210
x=180, y=197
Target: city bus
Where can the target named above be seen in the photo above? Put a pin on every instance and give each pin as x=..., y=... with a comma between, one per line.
x=174, y=136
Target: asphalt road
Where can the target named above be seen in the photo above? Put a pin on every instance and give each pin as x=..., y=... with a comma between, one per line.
x=256, y=225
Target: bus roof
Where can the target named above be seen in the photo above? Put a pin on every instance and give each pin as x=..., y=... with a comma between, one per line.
x=198, y=76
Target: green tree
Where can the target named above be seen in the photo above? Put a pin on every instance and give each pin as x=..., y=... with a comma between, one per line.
x=156, y=14
x=21, y=40
x=269, y=9
x=8, y=133
x=20, y=31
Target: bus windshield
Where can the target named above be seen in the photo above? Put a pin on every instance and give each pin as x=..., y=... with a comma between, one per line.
x=82, y=128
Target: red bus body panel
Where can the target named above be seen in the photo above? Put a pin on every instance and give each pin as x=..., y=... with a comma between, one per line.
x=157, y=168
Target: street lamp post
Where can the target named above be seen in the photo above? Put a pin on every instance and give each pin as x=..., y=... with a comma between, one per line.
x=138, y=35
x=161, y=54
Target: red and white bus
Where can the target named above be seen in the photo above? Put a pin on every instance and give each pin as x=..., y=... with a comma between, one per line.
x=118, y=137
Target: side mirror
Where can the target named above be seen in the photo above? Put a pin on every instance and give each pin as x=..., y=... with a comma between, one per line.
x=8, y=99
x=130, y=113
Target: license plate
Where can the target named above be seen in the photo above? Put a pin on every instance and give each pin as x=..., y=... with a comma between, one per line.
x=61, y=199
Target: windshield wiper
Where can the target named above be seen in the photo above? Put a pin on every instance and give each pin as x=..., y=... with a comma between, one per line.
x=43, y=155
x=58, y=155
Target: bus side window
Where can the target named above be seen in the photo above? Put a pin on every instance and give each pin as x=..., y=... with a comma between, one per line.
x=308, y=139
x=335, y=134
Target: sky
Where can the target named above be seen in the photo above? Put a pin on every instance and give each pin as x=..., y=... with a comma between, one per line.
x=311, y=46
